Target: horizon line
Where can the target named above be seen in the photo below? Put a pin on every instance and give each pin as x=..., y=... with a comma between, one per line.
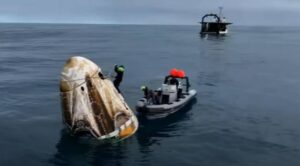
x=140, y=24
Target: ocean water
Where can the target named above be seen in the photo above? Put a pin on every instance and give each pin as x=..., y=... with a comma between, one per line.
x=246, y=111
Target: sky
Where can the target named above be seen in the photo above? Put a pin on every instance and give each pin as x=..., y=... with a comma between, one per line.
x=185, y=12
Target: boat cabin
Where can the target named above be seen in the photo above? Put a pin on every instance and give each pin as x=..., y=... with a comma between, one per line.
x=215, y=24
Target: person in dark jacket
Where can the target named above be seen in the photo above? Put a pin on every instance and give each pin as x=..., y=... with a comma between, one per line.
x=171, y=80
x=119, y=69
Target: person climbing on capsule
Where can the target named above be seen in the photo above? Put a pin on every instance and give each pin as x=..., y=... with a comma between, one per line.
x=119, y=69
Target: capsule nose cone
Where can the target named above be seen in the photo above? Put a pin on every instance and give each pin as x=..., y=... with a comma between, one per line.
x=74, y=72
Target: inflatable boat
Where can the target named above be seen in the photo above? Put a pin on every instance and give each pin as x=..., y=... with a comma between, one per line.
x=168, y=99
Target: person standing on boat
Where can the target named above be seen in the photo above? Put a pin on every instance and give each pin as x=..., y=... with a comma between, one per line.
x=146, y=91
x=119, y=69
x=150, y=95
x=171, y=78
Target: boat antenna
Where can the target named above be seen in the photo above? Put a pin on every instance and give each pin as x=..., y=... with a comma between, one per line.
x=220, y=11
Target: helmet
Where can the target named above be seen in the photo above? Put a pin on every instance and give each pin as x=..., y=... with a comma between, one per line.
x=119, y=68
x=143, y=87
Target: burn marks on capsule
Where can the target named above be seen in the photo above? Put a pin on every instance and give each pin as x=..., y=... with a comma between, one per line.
x=90, y=102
